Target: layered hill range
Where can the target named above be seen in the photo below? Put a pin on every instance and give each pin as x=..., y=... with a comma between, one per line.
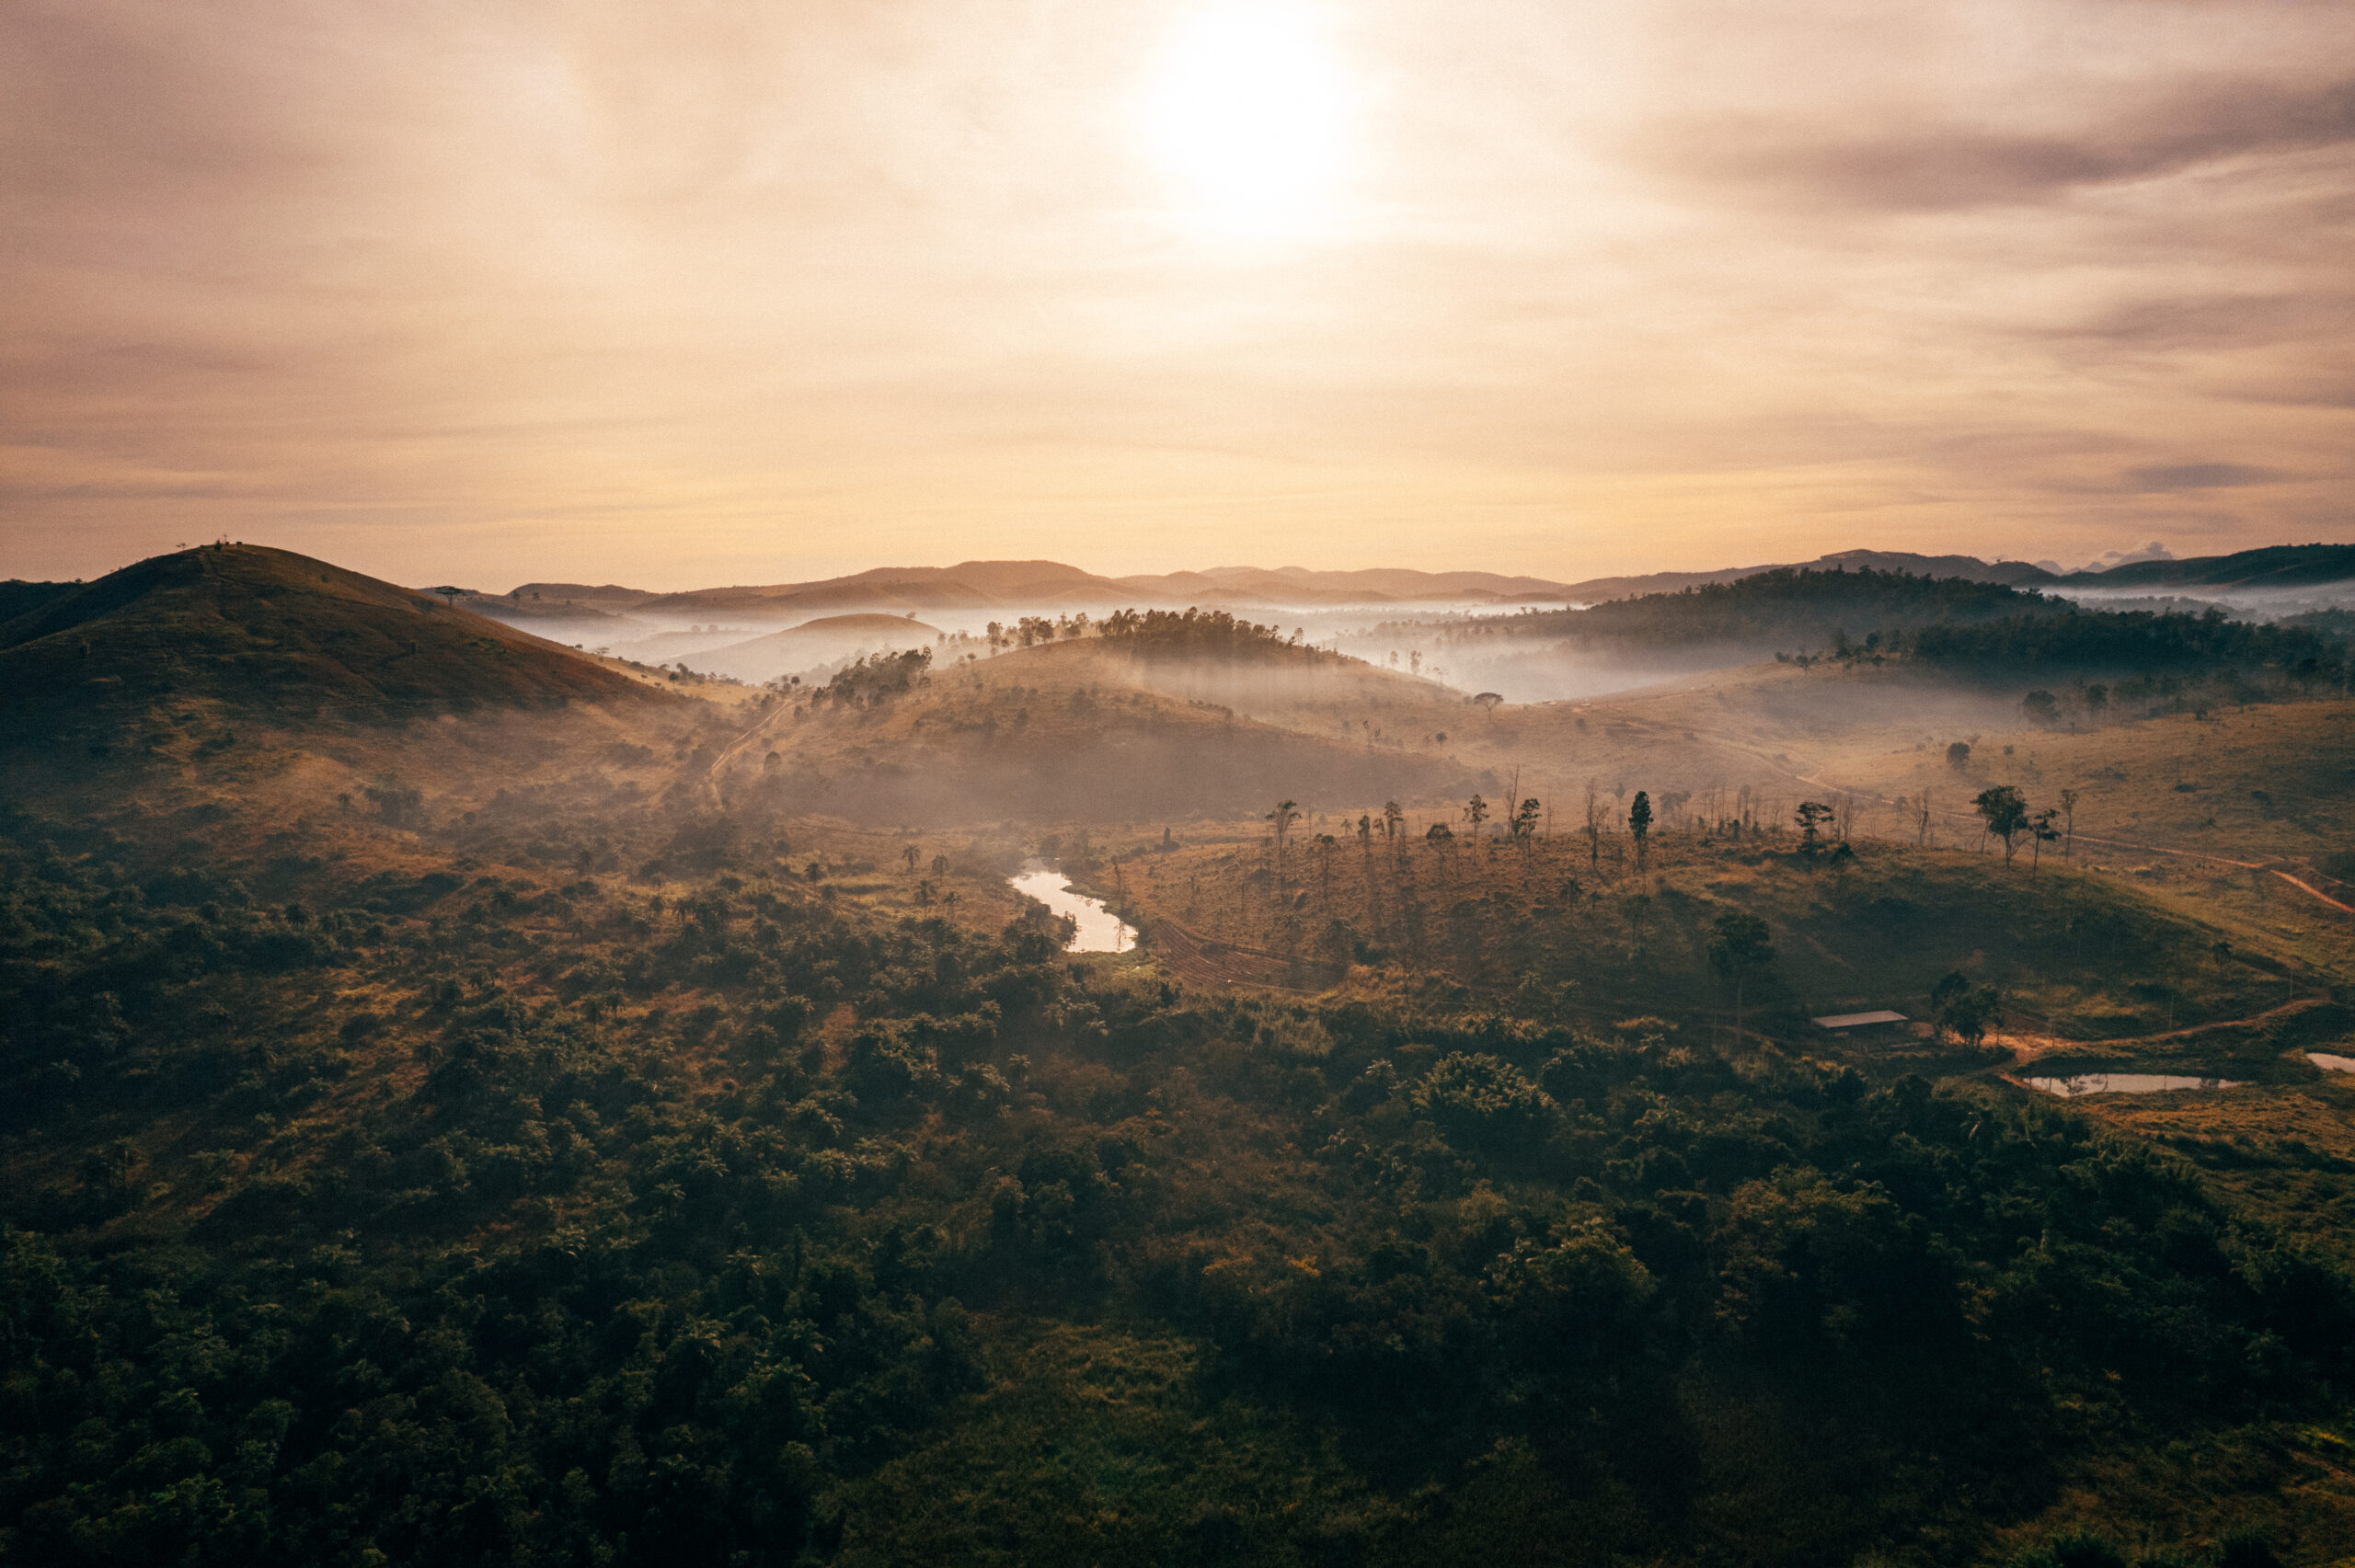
x=237, y=673
x=1048, y=585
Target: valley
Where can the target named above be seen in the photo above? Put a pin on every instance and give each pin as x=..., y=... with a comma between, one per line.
x=469, y=1097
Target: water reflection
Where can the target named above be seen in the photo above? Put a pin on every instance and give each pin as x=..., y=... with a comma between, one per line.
x=1099, y=930
x=2123, y=1083
x=2331, y=1064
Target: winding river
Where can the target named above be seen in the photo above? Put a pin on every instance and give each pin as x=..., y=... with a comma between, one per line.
x=1100, y=931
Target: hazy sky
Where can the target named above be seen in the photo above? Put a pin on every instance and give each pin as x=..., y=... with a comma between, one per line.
x=694, y=293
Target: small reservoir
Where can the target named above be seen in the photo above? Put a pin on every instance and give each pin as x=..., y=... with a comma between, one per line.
x=2123, y=1083
x=1099, y=930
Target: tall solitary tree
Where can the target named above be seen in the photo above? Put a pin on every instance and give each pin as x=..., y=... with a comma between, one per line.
x=1525, y=827
x=1740, y=945
x=2068, y=824
x=1811, y=817
x=2041, y=827
x=1286, y=813
x=2006, y=815
x=1640, y=824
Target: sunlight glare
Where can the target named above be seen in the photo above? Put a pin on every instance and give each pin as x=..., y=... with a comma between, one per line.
x=1247, y=116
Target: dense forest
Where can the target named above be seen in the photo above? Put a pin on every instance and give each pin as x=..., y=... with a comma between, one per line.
x=498, y=1210
x=1788, y=607
x=1203, y=634
x=1952, y=624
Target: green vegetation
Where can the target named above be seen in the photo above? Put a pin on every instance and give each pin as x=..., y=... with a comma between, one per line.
x=1980, y=628
x=1203, y=634
x=1788, y=606
x=592, y=1225
x=580, y=1142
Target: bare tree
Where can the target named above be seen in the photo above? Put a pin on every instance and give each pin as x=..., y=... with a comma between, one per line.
x=2069, y=824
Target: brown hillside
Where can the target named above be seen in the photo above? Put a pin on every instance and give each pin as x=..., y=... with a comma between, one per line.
x=1069, y=732
x=278, y=637
x=817, y=642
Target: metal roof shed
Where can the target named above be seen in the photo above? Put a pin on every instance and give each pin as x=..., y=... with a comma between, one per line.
x=1840, y=1021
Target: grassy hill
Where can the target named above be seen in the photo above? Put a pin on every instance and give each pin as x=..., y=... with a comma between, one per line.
x=823, y=641
x=1085, y=730
x=276, y=636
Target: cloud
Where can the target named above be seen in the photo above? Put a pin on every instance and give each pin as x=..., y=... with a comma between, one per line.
x=1946, y=166
x=2166, y=478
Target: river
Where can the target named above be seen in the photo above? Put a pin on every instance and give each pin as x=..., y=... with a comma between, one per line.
x=1100, y=931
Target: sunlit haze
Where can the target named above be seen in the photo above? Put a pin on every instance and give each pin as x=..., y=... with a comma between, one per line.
x=1248, y=112
x=707, y=294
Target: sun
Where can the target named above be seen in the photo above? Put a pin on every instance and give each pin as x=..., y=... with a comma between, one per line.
x=1247, y=116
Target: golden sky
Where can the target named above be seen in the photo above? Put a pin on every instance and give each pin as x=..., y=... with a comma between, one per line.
x=703, y=292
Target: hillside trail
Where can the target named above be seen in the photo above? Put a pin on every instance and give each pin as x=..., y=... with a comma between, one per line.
x=735, y=747
x=2028, y=1044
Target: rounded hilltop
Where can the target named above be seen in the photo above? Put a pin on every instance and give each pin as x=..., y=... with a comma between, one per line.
x=275, y=634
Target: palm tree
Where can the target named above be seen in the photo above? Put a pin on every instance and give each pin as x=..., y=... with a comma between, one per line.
x=1286, y=813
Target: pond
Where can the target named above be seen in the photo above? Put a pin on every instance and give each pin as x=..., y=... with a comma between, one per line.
x=2078, y=1083
x=1099, y=930
x=2331, y=1064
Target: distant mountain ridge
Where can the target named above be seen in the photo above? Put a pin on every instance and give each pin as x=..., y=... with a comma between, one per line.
x=1031, y=585
x=990, y=585
x=2277, y=566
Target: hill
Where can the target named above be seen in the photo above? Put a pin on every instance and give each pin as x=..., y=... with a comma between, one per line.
x=2279, y=566
x=1299, y=585
x=1798, y=608
x=979, y=585
x=1085, y=730
x=1970, y=568
x=970, y=585
x=277, y=636
x=551, y=597
x=826, y=640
